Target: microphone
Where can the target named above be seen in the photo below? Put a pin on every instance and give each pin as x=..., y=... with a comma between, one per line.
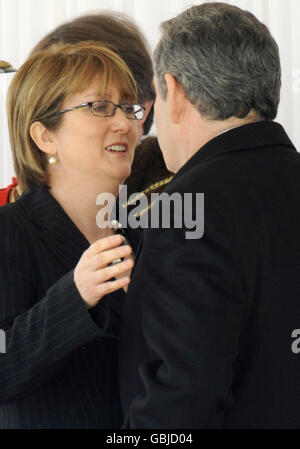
x=6, y=67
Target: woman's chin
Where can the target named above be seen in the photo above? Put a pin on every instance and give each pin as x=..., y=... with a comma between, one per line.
x=121, y=175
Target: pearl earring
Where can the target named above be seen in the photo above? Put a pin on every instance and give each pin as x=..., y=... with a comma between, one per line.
x=52, y=159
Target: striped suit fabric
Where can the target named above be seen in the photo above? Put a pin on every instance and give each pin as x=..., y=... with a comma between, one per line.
x=60, y=365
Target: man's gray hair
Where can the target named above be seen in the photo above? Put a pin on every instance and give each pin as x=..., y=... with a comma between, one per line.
x=225, y=59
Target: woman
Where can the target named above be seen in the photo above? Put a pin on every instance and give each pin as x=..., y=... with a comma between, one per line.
x=149, y=172
x=72, y=117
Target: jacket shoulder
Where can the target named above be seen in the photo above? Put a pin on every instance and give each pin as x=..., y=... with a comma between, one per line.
x=11, y=211
x=13, y=221
x=16, y=255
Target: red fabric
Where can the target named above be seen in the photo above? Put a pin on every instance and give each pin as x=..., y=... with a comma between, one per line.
x=4, y=193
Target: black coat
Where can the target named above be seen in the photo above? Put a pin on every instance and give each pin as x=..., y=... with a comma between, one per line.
x=206, y=337
x=58, y=370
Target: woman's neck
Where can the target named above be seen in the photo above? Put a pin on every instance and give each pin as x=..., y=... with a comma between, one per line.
x=78, y=199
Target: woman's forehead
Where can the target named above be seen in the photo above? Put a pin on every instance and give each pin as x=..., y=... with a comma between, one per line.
x=96, y=90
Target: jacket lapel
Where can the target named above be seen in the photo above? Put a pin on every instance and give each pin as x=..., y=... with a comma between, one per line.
x=57, y=230
x=245, y=137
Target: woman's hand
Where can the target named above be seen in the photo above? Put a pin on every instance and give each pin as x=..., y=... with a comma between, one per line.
x=92, y=273
x=126, y=273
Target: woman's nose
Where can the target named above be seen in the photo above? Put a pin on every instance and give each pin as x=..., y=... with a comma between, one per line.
x=120, y=122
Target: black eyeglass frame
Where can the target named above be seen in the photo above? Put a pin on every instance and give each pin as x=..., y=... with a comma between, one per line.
x=121, y=106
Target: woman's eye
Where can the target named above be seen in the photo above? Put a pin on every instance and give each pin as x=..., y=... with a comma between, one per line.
x=128, y=108
x=100, y=107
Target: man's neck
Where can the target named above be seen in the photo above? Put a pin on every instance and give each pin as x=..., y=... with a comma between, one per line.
x=205, y=130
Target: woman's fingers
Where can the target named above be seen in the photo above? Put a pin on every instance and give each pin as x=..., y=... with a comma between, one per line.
x=112, y=286
x=104, y=244
x=92, y=292
x=105, y=258
x=114, y=271
x=94, y=273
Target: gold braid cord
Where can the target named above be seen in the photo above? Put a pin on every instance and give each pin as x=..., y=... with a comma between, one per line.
x=14, y=194
x=152, y=188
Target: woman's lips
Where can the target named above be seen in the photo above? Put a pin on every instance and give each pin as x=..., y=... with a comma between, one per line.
x=117, y=148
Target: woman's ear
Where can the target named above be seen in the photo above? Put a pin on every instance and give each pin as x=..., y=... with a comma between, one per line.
x=42, y=138
x=176, y=98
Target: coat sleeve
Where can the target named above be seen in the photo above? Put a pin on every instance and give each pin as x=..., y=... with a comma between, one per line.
x=192, y=306
x=40, y=333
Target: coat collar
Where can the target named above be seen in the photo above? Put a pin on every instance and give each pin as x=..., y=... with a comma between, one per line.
x=245, y=137
x=57, y=230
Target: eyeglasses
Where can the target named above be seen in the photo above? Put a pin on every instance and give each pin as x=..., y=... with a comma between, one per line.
x=105, y=108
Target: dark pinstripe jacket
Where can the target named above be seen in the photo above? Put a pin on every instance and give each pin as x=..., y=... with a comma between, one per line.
x=58, y=370
x=209, y=325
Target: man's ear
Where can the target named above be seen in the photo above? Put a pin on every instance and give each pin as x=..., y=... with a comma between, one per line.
x=42, y=138
x=176, y=98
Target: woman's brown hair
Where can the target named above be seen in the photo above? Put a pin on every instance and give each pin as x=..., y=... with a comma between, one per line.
x=121, y=34
x=40, y=87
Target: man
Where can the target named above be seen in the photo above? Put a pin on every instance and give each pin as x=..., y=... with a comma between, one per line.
x=209, y=324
